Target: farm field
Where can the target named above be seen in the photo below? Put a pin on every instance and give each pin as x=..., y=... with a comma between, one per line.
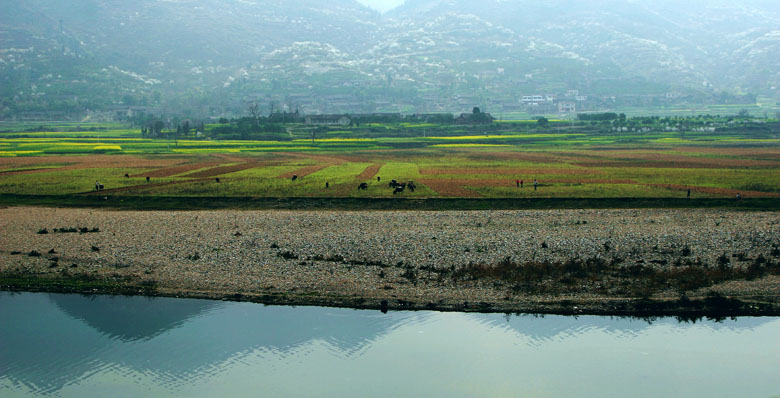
x=455, y=163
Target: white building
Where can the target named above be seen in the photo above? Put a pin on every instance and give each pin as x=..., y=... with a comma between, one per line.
x=567, y=107
x=533, y=99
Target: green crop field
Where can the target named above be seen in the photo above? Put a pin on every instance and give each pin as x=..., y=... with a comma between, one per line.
x=567, y=160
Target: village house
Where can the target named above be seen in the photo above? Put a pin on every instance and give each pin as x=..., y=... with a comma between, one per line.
x=536, y=99
x=567, y=107
x=377, y=116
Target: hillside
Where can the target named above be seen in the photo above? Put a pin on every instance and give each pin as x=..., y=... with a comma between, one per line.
x=209, y=57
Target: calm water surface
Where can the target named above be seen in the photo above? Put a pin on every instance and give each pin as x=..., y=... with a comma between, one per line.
x=107, y=346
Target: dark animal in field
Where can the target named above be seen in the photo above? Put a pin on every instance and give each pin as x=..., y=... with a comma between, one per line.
x=397, y=186
x=127, y=175
x=217, y=179
x=294, y=177
x=363, y=186
x=100, y=187
x=147, y=178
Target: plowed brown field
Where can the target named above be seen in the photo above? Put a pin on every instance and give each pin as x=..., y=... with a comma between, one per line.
x=304, y=171
x=520, y=156
x=589, y=181
x=370, y=172
x=218, y=171
x=172, y=171
x=231, y=158
x=30, y=171
x=317, y=158
x=84, y=162
x=662, y=160
x=151, y=185
x=757, y=152
x=507, y=171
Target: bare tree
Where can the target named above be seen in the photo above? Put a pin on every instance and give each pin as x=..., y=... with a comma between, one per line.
x=317, y=130
x=254, y=110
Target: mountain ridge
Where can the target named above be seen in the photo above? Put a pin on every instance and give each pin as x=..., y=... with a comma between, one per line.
x=209, y=56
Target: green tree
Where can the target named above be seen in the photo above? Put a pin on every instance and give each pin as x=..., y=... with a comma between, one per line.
x=542, y=122
x=185, y=128
x=157, y=128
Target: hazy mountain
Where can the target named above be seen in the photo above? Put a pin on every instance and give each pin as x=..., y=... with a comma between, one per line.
x=690, y=42
x=209, y=55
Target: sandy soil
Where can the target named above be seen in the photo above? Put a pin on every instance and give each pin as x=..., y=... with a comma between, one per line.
x=388, y=259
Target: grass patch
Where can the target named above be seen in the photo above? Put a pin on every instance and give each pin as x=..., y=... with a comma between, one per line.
x=611, y=275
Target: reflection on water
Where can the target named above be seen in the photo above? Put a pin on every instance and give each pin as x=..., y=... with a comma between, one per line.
x=74, y=335
x=131, y=319
x=71, y=345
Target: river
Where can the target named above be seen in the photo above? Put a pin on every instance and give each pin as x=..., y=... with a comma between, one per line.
x=98, y=346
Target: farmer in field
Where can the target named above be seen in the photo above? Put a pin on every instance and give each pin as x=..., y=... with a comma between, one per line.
x=521, y=183
x=518, y=183
x=97, y=185
x=536, y=184
x=327, y=184
x=689, y=193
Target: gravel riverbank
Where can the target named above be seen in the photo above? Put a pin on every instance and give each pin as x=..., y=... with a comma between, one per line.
x=584, y=261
